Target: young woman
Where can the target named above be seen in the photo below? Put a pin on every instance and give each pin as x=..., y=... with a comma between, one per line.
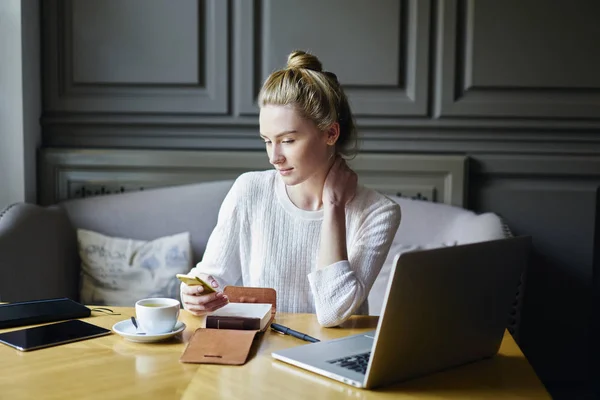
x=304, y=228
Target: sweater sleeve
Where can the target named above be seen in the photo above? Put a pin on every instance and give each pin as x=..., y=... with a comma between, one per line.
x=341, y=288
x=222, y=255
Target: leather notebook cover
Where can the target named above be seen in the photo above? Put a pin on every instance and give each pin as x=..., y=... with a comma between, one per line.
x=218, y=346
x=228, y=346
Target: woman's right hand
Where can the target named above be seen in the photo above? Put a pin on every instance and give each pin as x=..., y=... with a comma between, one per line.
x=199, y=303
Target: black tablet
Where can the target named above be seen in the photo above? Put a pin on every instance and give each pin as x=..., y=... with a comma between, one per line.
x=40, y=311
x=51, y=335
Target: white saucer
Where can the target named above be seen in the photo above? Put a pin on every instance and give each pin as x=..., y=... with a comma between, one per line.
x=127, y=330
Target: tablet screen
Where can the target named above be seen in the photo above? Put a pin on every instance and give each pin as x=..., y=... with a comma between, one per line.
x=51, y=335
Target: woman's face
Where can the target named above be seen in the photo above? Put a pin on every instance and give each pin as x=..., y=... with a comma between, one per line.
x=295, y=146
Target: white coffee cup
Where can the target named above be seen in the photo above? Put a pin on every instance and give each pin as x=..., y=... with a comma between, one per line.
x=157, y=315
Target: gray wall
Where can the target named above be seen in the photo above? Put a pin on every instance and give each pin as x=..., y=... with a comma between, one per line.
x=512, y=84
x=20, y=100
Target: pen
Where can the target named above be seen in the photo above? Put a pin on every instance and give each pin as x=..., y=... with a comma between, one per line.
x=284, y=330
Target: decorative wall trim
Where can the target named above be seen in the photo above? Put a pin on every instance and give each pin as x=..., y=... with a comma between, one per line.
x=508, y=124
x=456, y=96
x=374, y=139
x=408, y=99
x=74, y=173
x=209, y=95
x=536, y=166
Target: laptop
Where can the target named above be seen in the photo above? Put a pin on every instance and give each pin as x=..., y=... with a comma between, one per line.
x=443, y=308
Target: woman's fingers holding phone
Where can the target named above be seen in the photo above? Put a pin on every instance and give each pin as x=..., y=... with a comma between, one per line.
x=191, y=290
x=206, y=303
x=203, y=309
x=197, y=285
x=209, y=279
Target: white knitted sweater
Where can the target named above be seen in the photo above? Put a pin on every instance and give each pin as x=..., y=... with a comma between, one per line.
x=263, y=240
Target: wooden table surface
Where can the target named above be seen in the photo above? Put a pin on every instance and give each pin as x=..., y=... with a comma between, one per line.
x=111, y=367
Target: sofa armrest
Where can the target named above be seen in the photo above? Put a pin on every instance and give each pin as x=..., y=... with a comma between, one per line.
x=38, y=254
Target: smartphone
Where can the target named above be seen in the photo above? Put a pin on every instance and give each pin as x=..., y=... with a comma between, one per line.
x=194, y=280
x=51, y=335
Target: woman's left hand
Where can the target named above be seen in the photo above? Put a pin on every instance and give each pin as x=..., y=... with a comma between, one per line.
x=340, y=184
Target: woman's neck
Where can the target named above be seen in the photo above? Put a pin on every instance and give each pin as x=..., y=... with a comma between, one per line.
x=308, y=195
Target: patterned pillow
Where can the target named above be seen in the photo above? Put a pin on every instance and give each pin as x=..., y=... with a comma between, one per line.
x=118, y=272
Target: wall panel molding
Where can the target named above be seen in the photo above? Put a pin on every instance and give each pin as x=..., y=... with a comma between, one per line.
x=205, y=94
x=143, y=133
x=69, y=173
x=459, y=94
x=540, y=166
x=554, y=200
x=408, y=98
x=170, y=119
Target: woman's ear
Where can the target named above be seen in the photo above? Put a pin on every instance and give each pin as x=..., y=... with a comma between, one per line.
x=333, y=133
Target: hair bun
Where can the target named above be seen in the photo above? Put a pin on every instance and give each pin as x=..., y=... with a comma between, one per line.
x=302, y=59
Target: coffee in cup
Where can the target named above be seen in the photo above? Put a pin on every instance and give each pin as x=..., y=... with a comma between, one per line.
x=157, y=315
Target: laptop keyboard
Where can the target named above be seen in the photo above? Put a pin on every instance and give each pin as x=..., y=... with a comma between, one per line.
x=357, y=362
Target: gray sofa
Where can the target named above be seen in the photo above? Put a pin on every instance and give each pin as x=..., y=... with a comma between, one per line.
x=38, y=245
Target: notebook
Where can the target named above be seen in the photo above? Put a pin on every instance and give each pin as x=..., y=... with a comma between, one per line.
x=231, y=342
x=245, y=316
x=442, y=308
x=40, y=311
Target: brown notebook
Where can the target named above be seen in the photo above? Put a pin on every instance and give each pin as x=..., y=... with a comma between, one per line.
x=229, y=345
x=218, y=346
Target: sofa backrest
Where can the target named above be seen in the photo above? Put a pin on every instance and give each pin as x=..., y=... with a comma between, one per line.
x=427, y=223
x=149, y=214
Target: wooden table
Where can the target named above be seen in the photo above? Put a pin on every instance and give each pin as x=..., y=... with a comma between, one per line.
x=110, y=367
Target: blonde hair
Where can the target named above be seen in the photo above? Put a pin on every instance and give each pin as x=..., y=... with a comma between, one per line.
x=316, y=94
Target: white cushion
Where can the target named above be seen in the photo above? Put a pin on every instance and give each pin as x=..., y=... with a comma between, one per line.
x=118, y=272
x=428, y=225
